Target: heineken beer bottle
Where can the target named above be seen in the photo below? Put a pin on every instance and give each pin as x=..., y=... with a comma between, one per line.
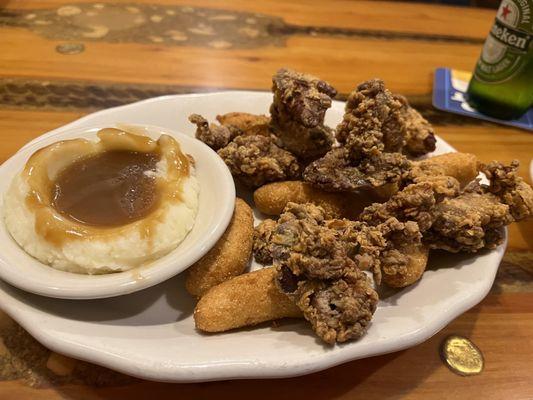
x=502, y=83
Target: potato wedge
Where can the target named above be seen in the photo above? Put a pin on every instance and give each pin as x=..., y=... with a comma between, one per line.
x=230, y=255
x=245, y=300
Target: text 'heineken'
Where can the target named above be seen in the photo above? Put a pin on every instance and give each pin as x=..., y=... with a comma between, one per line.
x=502, y=83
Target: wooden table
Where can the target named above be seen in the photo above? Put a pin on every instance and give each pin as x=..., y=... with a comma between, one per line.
x=60, y=61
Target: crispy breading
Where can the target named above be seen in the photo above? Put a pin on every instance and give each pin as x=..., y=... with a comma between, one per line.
x=474, y=219
x=248, y=124
x=245, y=300
x=215, y=136
x=372, y=108
x=405, y=265
x=401, y=220
x=311, y=244
x=297, y=113
x=371, y=135
x=404, y=259
x=420, y=136
x=510, y=188
x=338, y=310
x=256, y=160
x=230, y=255
x=337, y=171
x=414, y=203
x=262, y=237
x=469, y=222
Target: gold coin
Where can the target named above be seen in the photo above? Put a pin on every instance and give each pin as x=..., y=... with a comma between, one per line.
x=461, y=355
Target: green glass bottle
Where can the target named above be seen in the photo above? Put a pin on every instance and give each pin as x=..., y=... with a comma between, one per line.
x=502, y=83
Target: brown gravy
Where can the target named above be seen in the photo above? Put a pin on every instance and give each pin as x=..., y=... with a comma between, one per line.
x=58, y=228
x=107, y=189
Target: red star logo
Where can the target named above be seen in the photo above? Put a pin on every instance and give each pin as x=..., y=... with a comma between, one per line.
x=505, y=11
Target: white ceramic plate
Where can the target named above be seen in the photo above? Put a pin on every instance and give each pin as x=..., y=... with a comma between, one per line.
x=150, y=334
x=215, y=208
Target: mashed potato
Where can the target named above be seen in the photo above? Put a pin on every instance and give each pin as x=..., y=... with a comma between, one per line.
x=112, y=250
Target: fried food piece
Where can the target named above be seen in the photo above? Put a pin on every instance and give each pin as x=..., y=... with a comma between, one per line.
x=215, y=136
x=253, y=159
x=297, y=113
x=319, y=263
x=468, y=222
x=256, y=160
x=231, y=125
x=248, y=124
x=271, y=199
x=245, y=300
x=372, y=111
x=401, y=220
x=403, y=267
x=510, y=188
x=462, y=166
x=338, y=310
x=420, y=137
x=262, y=239
x=371, y=134
x=311, y=245
x=337, y=171
x=230, y=255
x=414, y=203
x=306, y=246
x=474, y=219
x=404, y=259
x=452, y=220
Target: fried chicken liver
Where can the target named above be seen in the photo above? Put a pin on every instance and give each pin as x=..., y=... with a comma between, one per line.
x=415, y=203
x=338, y=310
x=256, y=160
x=297, y=113
x=474, y=219
x=372, y=108
x=469, y=222
x=311, y=245
x=510, y=188
x=371, y=135
x=338, y=171
x=213, y=135
x=419, y=135
x=319, y=263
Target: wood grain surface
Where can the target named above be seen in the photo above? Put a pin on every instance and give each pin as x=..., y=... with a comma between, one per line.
x=126, y=51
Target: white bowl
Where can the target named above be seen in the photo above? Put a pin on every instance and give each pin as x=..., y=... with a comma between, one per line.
x=216, y=202
x=150, y=334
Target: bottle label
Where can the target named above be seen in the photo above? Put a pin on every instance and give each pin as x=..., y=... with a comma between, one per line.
x=505, y=50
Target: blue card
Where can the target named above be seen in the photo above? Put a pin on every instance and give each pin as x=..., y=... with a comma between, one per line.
x=449, y=90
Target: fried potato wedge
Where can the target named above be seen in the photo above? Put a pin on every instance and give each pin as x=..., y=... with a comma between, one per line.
x=272, y=198
x=462, y=166
x=230, y=255
x=245, y=300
